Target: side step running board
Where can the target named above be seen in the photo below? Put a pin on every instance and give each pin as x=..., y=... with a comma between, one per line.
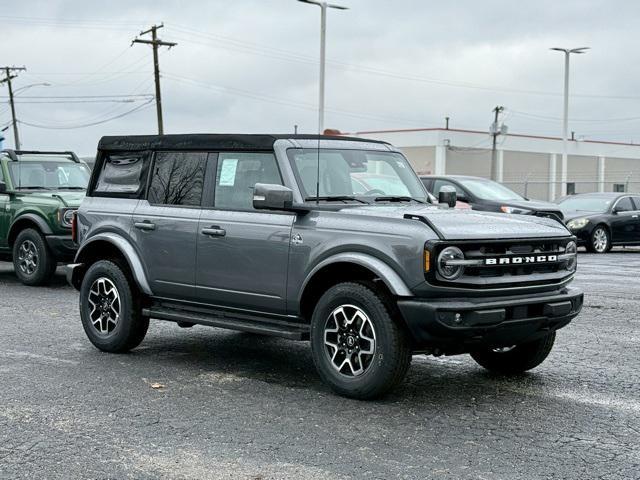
x=290, y=330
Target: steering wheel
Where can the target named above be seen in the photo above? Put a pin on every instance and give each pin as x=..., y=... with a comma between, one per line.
x=375, y=191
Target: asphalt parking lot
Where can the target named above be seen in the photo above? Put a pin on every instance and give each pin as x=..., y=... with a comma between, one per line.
x=231, y=405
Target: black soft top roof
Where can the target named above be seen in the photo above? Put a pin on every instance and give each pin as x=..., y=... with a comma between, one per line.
x=207, y=141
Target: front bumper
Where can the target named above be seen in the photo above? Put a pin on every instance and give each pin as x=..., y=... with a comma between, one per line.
x=62, y=247
x=583, y=235
x=460, y=325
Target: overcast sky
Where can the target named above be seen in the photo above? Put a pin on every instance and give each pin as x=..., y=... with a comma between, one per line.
x=251, y=66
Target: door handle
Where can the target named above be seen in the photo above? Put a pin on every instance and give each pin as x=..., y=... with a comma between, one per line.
x=146, y=225
x=214, y=231
x=634, y=216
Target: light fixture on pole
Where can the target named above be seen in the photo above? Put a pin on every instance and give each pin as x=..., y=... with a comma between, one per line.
x=565, y=118
x=323, y=32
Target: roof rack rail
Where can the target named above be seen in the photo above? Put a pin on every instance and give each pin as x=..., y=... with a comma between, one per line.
x=13, y=154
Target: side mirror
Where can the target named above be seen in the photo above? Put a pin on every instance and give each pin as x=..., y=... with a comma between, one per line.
x=447, y=194
x=267, y=196
x=3, y=187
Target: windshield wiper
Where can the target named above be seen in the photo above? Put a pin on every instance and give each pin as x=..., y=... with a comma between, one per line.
x=337, y=198
x=396, y=198
x=34, y=187
x=72, y=188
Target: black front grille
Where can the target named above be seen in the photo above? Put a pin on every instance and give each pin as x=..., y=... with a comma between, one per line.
x=552, y=214
x=526, y=262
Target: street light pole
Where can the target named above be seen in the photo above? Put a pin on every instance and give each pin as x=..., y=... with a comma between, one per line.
x=323, y=34
x=565, y=117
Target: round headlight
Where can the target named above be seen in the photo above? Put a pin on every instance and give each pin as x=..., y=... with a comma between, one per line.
x=571, y=249
x=445, y=269
x=67, y=217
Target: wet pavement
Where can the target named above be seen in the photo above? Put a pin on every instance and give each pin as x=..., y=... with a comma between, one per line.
x=208, y=403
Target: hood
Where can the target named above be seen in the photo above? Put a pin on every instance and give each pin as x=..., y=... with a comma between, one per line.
x=535, y=205
x=579, y=214
x=469, y=224
x=66, y=198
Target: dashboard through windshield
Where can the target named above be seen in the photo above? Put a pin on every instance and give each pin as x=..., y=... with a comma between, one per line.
x=48, y=175
x=366, y=175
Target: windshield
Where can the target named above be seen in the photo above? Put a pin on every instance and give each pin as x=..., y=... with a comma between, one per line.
x=586, y=204
x=49, y=175
x=368, y=175
x=489, y=190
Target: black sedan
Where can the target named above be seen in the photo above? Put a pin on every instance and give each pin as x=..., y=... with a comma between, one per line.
x=602, y=220
x=489, y=196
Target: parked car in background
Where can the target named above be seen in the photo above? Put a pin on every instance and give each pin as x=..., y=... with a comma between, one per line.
x=39, y=192
x=602, y=220
x=489, y=196
x=267, y=234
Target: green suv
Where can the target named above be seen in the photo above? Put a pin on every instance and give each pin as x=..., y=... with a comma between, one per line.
x=39, y=193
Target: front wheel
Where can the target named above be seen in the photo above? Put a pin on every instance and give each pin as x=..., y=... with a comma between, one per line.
x=517, y=358
x=33, y=262
x=109, y=309
x=357, y=347
x=600, y=240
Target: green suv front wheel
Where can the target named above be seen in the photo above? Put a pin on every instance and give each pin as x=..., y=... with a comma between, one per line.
x=33, y=262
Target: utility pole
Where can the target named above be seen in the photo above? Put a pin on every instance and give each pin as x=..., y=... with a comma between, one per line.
x=155, y=42
x=7, y=78
x=495, y=131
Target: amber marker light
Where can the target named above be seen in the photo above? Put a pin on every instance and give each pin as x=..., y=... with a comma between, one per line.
x=427, y=260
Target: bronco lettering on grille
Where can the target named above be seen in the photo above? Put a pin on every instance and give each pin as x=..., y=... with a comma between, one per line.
x=528, y=259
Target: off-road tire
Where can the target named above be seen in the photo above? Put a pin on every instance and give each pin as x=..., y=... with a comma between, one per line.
x=45, y=265
x=131, y=326
x=519, y=359
x=392, y=353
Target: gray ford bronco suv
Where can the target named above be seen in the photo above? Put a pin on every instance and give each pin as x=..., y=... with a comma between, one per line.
x=327, y=239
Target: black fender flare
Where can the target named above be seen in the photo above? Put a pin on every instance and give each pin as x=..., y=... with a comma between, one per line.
x=32, y=217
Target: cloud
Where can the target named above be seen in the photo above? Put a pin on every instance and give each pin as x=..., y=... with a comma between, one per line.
x=251, y=66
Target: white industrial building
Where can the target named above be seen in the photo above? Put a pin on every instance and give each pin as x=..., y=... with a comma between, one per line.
x=529, y=164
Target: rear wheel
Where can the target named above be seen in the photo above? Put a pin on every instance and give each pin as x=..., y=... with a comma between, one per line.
x=358, y=348
x=515, y=359
x=110, y=308
x=33, y=262
x=600, y=240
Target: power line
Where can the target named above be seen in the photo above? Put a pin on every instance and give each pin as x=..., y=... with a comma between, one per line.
x=255, y=49
x=81, y=96
x=285, y=102
x=71, y=127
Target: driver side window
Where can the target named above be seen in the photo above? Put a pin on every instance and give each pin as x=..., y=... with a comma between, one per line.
x=237, y=175
x=624, y=205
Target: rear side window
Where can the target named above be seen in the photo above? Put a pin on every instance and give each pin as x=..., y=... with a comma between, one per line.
x=636, y=201
x=177, y=178
x=123, y=174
